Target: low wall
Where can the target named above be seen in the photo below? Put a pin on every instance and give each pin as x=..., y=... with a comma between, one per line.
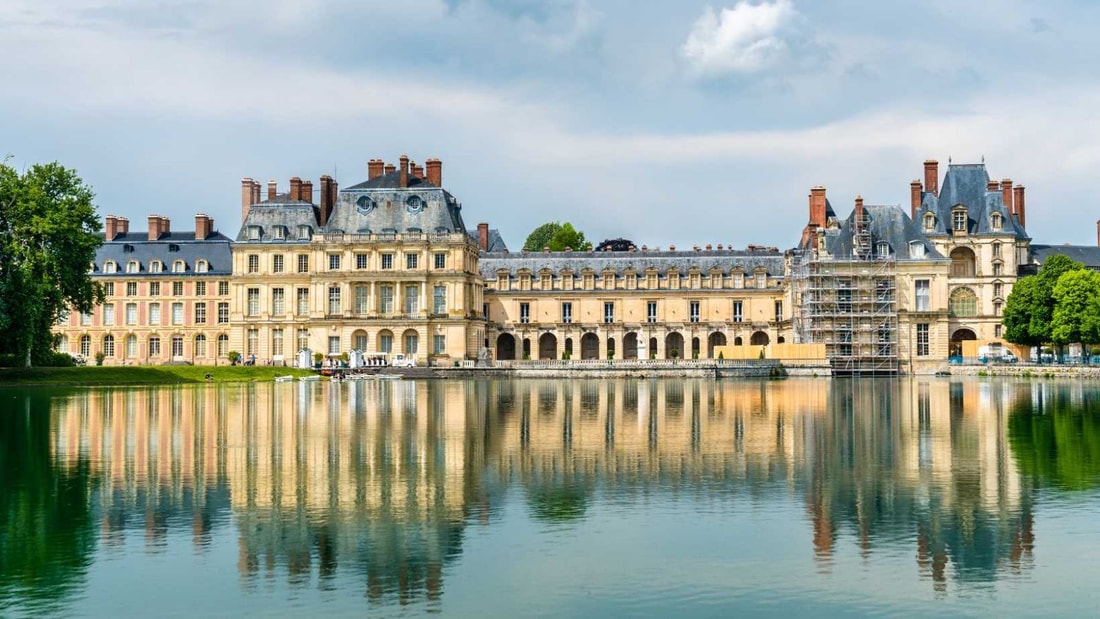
x=1028, y=370
x=635, y=369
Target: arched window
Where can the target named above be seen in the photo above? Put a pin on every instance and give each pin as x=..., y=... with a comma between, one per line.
x=178, y=266
x=156, y=266
x=131, y=346
x=63, y=343
x=223, y=345
x=85, y=345
x=963, y=303
x=133, y=266
x=962, y=262
x=882, y=249
x=200, y=345
x=201, y=266
x=110, y=267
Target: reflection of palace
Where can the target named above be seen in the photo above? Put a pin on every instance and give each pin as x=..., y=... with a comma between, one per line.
x=377, y=479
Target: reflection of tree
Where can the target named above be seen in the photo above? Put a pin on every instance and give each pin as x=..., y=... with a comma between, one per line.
x=558, y=503
x=1061, y=444
x=46, y=533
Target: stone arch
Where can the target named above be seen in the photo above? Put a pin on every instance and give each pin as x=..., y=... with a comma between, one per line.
x=410, y=342
x=737, y=341
x=630, y=346
x=506, y=347
x=590, y=346
x=359, y=340
x=652, y=348
x=548, y=346
x=963, y=303
x=713, y=341
x=958, y=337
x=696, y=348
x=611, y=348
x=569, y=347
x=384, y=341
x=760, y=339
x=526, y=348
x=962, y=262
x=674, y=346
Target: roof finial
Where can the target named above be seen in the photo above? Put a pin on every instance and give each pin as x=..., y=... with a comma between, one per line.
x=983, y=159
x=949, y=160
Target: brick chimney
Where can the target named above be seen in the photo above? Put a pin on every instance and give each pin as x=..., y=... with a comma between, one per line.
x=255, y=192
x=123, y=225
x=375, y=168
x=483, y=236
x=307, y=191
x=154, y=227
x=204, y=225
x=295, y=189
x=111, y=227
x=417, y=171
x=246, y=199
x=992, y=185
x=915, y=195
x=1018, y=204
x=435, y=172
x=272, y=189
x=932, y=176
x=1006, y=194
x=817, y=206
x=390, y=168
x=859, y=209
x=165, y=226
x=326, y=199
x=403, y=168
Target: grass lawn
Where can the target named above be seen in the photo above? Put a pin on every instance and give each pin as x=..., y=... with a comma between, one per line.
x=147, y=375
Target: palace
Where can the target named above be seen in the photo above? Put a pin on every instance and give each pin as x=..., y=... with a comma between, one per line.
x=389, y=266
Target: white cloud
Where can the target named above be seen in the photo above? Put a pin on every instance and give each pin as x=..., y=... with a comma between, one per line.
x=745, y=39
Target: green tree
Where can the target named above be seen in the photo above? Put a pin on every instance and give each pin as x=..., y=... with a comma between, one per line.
x=48, y=238
x=1017, y=312
x=540, y=237
x=1076, y=308
x=569, y=237
x=1032, y=303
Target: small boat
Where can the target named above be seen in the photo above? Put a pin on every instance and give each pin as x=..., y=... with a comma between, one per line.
x=388, y=376
x=283, y=379
x=310, y=378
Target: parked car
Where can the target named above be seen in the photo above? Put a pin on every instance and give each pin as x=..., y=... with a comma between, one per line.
x=403, y=361
x=1009, y=357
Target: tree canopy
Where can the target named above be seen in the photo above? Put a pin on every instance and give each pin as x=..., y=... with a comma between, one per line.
x=1029, y=310
x=557, y=237
x=1076, y=315
x=48, y=238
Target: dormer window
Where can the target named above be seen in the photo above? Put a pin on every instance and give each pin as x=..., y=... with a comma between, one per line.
x=304, y=233
x=156, y=266
x=110, y=267
x=133, y=266
x=127, y=248
x=882, y=249
x=172, y=247
x=916, y=249
x=929, y=222
x=278, y=233
x=958, y=220
x=202, y=266
x=996, y=221
x=254, y=233
x=414, y=204
x=178, y=266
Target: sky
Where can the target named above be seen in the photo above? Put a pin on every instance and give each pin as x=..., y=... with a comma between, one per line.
x=665, y=122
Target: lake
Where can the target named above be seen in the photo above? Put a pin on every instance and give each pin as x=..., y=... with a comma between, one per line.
x=801, y=497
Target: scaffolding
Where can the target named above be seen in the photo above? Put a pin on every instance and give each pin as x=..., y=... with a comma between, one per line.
x=848, y=303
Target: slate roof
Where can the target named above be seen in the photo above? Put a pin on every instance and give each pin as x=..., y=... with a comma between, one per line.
x=392, y=180
x=967, y=184
x=890, y=224
x=380, y=206
x=496, y=241
x=169, y=248
x=270, y=214
x=1088, y=255
x=726, y=260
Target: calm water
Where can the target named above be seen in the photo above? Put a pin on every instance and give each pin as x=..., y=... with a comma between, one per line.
x=536, y=498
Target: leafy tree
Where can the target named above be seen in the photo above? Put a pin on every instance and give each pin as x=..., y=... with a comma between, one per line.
x=48, y=238
x=540, y=237
x=1077, y=308
x=1017, y=312
x=1032, y=303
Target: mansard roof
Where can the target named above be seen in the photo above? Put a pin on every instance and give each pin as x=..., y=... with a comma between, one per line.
x=380, y=205
x=392, y=180
x=278, y=212
x=496, y=241
x=170, y=247
x=725, y=260
x=885, y=224
x=967, y=185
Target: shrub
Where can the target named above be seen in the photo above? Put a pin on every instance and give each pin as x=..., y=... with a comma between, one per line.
x=99, y=357
x=234, y=357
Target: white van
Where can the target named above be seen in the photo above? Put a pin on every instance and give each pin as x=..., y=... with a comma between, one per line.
x=401, y=360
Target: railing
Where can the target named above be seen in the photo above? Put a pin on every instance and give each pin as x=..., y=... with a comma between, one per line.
x=632, y=363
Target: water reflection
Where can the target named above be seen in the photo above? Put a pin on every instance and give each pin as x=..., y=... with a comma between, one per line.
x=370, y=488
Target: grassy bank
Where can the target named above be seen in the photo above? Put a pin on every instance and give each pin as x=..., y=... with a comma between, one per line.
x=154, y=375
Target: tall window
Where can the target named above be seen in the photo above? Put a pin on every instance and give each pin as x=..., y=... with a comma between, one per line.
x=109, y=289
x=693, y=311
x=334, y=344
x=278, y=301
x=412, y=343
x=923, y=294
x=441, y=261
x=567, y=312
x=253, y=296
x=360, y=341
x=411, y=261
x=998, y=269
x=154, y=346
x=109, y=345
x=131, y=346
x=133, y=267
x=385, y=342
x=412, y=299
x=131, y=313
x=958, y=219
x=253, y=263
x=200, y=289
x=385, y=299
x=361, y=298
x=651, y=311
x=156, y=266
x=177, y=313
x=200, y=345
x=302, y=302
x=303, y=263
x=524, y=313
x=387, y=261
x=361, y=261
x=110, y=267
x=334, y=300
x=439, y=300
x=109, y=314
x=998, y=289
x=334, y=262
x=200, y=313
x=223, y=345
x=154, y=289
x=609, y=312
x=738, y=311
x=131, y=289
x=252, y=342
x=276, y=342
x=177, y=346
x=223, y=313
x=439, y=344
x=223, y=288
x=779, y=311
x=963, y=303
x=922, y=339
x=303, y=339
x=277, y=263
x=996, y=250
x=85, y=346
x=154, y=313
x=202, y=266
x=177, y=289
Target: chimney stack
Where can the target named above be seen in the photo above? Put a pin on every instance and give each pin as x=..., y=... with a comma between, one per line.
x=375, y=168
x=307, y=191
x=915, y=198
x=164, y=226
x=158, y=227
x=1098, y=233
x=992, y=185
x=404, y=169
x=1021, y=212
x=417, y=171
x=817, y=206
x=295, y=189
x=255, y=192
x=326, y=199
x=204, y=225
x=1006, y=195
x=435, y=172
x=483, y=236
x=859, y=210
x=111, y=227
x=932, y=176
x=246, y=200
x=123, y=225
x=272, y=189
x=390, y=168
